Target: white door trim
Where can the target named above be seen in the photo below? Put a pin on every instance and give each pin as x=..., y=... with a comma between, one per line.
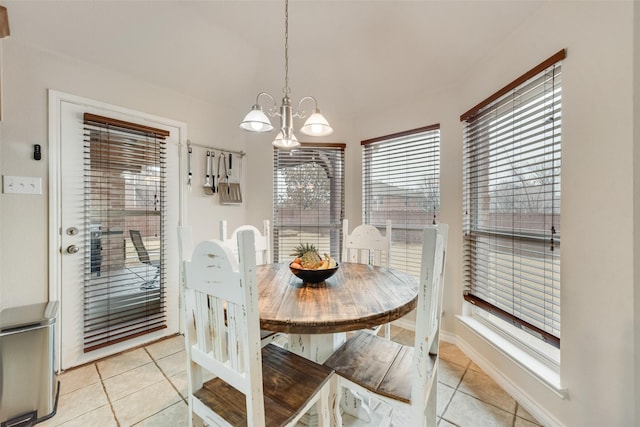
x=56, y=99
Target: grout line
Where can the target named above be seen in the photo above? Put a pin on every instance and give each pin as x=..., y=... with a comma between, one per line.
x=184, y=399
x=113, y=412
x=515, y=411
x=455, y=390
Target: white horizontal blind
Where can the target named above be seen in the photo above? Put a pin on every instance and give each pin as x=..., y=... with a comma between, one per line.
x=125, y=188
x=512, y=161
x=308, y=199
x=401, y=183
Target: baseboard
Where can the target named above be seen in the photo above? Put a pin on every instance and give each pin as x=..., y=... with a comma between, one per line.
x=520, y=395
x=405, y=323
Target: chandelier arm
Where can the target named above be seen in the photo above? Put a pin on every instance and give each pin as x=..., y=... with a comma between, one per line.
x=300, y=112
x=272, y=110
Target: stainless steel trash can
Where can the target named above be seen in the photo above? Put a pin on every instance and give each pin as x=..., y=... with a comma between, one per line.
x=28, y=390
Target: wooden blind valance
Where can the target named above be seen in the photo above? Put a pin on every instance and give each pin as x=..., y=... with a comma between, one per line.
x=558, y=56
x=121, y=124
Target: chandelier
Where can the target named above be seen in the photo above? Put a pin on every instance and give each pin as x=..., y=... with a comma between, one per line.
x=257, y=121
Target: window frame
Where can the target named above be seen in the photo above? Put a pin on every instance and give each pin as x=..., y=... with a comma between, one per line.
x=424, y=145
x=282, y=246
x=473, y=231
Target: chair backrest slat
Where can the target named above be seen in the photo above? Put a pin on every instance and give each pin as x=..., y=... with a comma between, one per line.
x=366, y=244
x=262, y=240
x=227, y=317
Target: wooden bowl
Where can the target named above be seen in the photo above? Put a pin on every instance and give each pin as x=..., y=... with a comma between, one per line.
x=314, y=276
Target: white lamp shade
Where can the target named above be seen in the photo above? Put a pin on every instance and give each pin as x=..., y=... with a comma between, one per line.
x=281, y=142
x=316, y=125
x=256, y=121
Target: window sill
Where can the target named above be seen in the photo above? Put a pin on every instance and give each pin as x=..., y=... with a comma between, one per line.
x=533, y=366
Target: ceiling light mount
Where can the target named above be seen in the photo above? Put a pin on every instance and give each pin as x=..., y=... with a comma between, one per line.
x=257, y=121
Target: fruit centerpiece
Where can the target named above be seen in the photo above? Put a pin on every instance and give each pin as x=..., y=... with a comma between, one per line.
x=310, y=266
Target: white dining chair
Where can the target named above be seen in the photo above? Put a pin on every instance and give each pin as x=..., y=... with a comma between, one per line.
x=263, y=240
x=366, y=245
x=247, y=384
x=185, y=249
x=396, y=374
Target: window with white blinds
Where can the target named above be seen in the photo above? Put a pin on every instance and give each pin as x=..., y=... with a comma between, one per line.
x=401, y=183
x=308, y=199
x=512, y=161
x=125, y=198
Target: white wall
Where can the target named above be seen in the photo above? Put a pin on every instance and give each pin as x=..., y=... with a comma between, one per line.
x=597, y=203
x=27, y=74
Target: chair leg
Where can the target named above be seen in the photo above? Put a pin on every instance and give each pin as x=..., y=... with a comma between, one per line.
x=334, y=401
x=431, y=415
x=150, y=284
x=324, y=406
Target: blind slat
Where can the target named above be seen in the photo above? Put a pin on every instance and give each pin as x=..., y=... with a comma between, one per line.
x=125, y=189
x=308, y=191
x=511, y=166
x=401, y=183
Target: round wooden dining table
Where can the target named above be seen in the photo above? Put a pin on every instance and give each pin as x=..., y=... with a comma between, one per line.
x=315, y=316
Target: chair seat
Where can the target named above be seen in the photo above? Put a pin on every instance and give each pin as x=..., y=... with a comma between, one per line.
x=289, y=383
x=378, y=365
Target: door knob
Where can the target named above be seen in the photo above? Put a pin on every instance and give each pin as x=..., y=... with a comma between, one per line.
x=72, y=249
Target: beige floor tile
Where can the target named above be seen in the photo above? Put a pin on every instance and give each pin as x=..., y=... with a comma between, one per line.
x=179, y=381
x=405, y=337
x=445, y=423
x=101, y=417
x=523, y=413
x=175, y=415
x=74, y=379
x=480, y=385
x=77, y=403
x=132, y=380
x=445, y=393
x=521, y=422
x=452, y=353
x=144, y=403
x=173, y=364
x=450, y=373
x=166, y=347
x=122, y=362
x=467, y=411
x=395, y=330
x=475, y=367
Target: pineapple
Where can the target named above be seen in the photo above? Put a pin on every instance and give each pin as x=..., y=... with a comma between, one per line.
x=309, y=256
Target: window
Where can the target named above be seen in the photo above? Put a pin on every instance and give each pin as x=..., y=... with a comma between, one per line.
x=401, y=183
x=125, y=193
x=512, y=161
x=308, y=198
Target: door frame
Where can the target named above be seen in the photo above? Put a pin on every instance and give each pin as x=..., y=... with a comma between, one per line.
x=56, y=98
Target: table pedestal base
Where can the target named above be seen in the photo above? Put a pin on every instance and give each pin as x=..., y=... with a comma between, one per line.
x=316, y=347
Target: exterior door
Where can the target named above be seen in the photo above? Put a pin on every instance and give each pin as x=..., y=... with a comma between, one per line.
x=108, y=204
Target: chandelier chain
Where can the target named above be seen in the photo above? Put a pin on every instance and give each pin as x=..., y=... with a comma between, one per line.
x=286, y=89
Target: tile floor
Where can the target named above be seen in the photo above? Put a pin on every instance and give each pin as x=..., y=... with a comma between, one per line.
x=147, y=386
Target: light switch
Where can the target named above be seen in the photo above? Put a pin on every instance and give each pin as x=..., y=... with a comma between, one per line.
x=22, y=184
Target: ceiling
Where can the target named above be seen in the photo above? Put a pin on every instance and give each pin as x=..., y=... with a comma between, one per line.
x=353, y=56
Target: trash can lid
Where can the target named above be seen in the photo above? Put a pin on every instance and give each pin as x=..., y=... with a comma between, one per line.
x=28, y=316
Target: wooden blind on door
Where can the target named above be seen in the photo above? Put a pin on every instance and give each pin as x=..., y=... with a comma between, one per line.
x=125, y=196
